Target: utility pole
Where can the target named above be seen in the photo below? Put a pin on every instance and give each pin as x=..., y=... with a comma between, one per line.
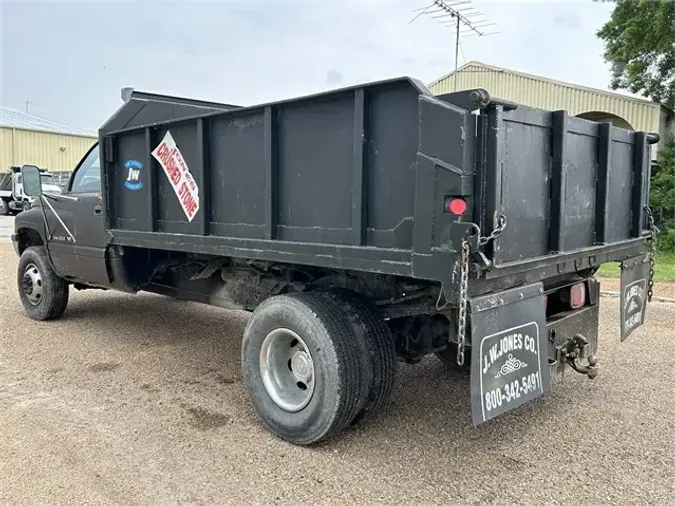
x=28, y=102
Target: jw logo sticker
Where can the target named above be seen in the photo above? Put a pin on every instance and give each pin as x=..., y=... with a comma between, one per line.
x=133, y=181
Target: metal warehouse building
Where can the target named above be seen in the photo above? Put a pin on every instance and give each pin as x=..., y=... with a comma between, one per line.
x=536, y=91
x=27, y=139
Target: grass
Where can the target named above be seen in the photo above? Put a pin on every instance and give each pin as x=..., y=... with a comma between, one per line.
x=664, y=267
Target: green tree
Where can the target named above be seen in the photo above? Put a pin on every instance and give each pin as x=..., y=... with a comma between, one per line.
x=639, y=45
x=662, y=193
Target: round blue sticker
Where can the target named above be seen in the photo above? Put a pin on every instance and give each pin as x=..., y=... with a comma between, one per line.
x=133, y=181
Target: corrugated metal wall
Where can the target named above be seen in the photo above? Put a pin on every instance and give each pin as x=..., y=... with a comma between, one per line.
x=55, y=152
x=550, y=95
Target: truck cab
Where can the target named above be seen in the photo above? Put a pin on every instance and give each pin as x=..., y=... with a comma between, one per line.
x=75, y=230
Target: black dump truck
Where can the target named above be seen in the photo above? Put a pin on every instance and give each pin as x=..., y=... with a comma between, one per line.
x=361, y=227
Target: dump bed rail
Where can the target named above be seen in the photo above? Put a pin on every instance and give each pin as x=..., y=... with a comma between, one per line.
x=358, y=179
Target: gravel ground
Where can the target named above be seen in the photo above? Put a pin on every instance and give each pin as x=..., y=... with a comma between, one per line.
x=6, y=225
x=138, y=400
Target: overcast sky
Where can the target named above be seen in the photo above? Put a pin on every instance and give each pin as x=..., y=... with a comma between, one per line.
x=70, y=59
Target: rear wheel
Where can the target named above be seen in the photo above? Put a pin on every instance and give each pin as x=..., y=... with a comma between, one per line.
x=302, y=368
x=371, y=328
x=43, y=293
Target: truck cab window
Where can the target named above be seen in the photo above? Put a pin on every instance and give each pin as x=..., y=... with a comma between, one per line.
x=87, y=178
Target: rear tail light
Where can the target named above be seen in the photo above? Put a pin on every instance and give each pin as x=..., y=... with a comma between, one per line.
x=455, y=205
x=578, y=295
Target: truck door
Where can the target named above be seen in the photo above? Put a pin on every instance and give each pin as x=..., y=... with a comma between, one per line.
x=75, y=218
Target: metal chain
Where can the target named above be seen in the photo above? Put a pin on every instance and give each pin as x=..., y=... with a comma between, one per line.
x=653, y=232
x=463, y=298
x=501, y=225
x=464, y=282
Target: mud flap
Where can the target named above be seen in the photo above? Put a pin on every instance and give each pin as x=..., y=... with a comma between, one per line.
x=509, y=355
x=634, y=279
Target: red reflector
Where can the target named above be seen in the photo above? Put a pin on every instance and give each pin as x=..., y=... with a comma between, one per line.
x=577, y=295
x=456, y=206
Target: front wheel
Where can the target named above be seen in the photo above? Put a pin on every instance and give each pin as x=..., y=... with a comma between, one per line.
x=26, y=205
x=43, y=293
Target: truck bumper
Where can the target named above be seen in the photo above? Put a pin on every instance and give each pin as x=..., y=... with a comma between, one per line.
x=15, y=243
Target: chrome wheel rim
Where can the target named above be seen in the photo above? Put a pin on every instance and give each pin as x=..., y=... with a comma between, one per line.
x=32, y=284
x=287, y=369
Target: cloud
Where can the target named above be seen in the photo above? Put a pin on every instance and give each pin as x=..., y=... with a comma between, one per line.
x=570, y=19
x=333, y=77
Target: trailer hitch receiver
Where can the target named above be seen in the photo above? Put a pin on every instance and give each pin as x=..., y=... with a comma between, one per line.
x=572, y=352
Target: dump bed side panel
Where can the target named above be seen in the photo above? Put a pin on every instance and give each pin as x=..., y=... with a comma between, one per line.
x=335, y=169
x=563, y=183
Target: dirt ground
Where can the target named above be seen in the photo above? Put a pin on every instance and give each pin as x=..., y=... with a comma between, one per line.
x=138, y=400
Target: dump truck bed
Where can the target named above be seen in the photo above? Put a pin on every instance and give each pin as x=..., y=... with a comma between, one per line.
x=358, y=179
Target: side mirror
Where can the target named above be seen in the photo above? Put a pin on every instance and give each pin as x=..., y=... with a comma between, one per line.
x=32, y=184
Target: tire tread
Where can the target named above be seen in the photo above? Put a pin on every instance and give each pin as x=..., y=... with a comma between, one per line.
x=380, y=345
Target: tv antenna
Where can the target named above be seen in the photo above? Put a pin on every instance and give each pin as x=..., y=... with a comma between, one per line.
x=461, y=16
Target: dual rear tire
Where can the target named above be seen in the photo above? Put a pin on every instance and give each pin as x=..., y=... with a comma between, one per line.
x=314, y=363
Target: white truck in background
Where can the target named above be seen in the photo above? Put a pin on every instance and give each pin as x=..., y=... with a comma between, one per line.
x=11, y=190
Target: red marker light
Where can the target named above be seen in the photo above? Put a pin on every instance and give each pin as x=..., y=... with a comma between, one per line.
x=455, y=206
